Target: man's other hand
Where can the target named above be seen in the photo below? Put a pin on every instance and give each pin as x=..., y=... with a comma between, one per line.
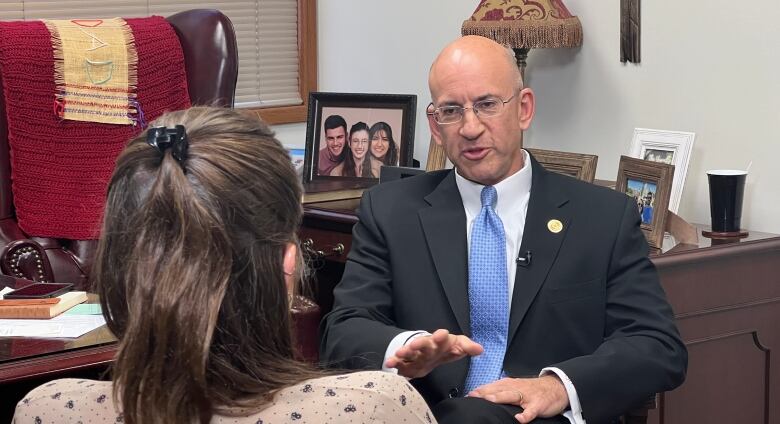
x=539, y=397
x=421, y=355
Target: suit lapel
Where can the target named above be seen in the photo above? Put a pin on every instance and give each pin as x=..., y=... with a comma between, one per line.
x=545, y=204
x=444, y=224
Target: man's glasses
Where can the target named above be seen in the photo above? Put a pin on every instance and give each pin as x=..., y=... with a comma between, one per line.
x=489, y=106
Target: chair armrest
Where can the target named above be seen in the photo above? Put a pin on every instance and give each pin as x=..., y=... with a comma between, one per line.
x=26, y=259
x=37, y=259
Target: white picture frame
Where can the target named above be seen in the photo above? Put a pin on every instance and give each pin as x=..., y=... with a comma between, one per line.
x=672, y=147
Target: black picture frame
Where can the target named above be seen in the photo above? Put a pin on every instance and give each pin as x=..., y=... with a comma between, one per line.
x=397, y=110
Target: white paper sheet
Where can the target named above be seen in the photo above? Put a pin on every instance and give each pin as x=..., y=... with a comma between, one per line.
x=62, y=326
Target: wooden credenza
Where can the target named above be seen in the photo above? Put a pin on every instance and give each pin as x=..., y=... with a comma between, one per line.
x=726, y=298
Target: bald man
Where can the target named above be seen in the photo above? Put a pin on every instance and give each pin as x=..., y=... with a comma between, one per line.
x=563, y=320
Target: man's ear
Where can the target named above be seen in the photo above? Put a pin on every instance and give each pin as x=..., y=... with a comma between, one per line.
x=527, y=107
x=435, y=130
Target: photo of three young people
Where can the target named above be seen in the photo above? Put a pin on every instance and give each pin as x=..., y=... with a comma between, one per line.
x=356, y=150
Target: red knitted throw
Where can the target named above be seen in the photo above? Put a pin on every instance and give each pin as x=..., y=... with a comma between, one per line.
x=60, y=169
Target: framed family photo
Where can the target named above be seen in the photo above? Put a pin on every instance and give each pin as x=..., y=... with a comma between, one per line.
x=670, y=147
x=350, y=136
x=577, y=165
x=649, y=184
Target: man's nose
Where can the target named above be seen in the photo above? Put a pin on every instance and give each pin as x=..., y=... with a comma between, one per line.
x=471, y=126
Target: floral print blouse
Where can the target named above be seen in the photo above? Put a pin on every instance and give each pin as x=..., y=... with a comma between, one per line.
x=361, y=397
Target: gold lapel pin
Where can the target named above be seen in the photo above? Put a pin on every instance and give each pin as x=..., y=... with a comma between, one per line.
x=554, y=226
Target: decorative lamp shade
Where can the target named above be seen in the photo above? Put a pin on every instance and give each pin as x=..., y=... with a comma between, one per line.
x=525, y=24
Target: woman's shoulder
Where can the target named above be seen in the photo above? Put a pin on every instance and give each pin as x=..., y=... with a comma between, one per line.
x=376, y=382
x=58, y=389
x=368, y=396
x=67, y=400
x=362, y=380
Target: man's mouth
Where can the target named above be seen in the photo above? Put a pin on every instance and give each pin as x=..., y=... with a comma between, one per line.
x=475, y=153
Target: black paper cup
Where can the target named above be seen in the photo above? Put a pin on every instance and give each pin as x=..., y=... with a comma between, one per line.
x=727, y=188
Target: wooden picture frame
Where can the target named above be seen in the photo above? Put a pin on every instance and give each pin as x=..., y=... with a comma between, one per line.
x=396, y=111
x=578, y=165
x=650, y=184
x=672, y=147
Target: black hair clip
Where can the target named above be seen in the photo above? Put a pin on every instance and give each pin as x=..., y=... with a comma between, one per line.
x=163, y=138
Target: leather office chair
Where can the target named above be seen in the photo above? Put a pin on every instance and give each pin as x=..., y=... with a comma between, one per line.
x=211, y=60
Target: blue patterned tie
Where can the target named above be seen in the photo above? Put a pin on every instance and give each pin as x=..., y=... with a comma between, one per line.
x=488, y=293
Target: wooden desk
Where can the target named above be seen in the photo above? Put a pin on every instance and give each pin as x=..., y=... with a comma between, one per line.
x=26, y=363
x=23, y=358
x=726, y=298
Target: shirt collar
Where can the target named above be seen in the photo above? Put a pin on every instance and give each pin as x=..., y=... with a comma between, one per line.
x=512, y=191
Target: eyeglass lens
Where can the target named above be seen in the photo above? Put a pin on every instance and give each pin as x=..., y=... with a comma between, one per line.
x=486, y=107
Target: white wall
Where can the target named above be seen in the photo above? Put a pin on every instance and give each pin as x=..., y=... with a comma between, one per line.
x=710, y=67
x=378, y=46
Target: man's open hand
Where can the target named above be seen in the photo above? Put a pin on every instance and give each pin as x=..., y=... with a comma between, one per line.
x=421, y=355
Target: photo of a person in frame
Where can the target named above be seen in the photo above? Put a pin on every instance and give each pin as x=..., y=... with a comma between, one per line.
x=643, y=193
x=647, y=210
x=334, y=153
x=358, y=162
x=383, y=147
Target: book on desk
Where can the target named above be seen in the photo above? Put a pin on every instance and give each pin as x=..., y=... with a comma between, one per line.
x=29, y=308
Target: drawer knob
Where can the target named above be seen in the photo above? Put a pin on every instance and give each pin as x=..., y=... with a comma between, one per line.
x=309, y=249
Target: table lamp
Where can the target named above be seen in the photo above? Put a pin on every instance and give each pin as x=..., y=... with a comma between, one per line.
x=524, y=25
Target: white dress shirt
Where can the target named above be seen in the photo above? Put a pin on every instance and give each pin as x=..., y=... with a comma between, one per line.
x=511, y=206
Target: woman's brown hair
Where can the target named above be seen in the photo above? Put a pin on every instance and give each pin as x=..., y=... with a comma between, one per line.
x=190, y=274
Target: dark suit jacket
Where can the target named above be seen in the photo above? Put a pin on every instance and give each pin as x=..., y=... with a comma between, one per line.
x=589, y=303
